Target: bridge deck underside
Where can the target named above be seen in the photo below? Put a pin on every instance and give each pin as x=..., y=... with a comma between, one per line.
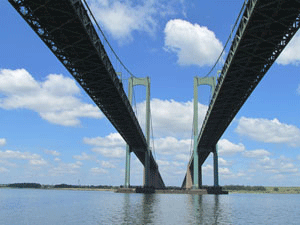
x=268, y=30
x=265, y=29
x=66, y=29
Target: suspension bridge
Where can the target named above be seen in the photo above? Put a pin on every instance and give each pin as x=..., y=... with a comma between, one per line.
x=66, y=27
x=266, y=27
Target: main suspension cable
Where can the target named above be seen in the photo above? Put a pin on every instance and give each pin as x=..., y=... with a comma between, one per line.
x=229, y=38
x=117, y=57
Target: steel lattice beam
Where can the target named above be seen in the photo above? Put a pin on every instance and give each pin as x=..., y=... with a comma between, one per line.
x=66, y=29
x=266, y=27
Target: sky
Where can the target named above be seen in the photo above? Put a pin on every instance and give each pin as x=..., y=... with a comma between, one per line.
x=51, y=131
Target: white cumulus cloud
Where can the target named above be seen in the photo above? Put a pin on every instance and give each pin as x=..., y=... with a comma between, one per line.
x=112, y=146
x=269, y=131
x=111, y=140
x=193, y=44
x=171, y=118
x=207, y=169
x=183, y=157
x=163, y=162
x=108, y=164
x=8, y=163
x=9, y=154
x=171, y=146
x=52, y=152
x=122, y=18
x=97, y=170
x=116, y=152
x=33, y=159
x=172, y=126
x=2, y=141
x=83, y=156
x=281, y=165
x=3, y=170
x=223, y=162
x=54, y=99
x=256, y=153
x=38, y=162
x=225, y=171
x=226, y=147
x=65, y=168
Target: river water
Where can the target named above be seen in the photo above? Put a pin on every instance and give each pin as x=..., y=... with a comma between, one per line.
x=30, y=206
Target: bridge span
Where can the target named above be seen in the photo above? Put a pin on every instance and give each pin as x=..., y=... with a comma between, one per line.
x=266, y=27
x=65, y=27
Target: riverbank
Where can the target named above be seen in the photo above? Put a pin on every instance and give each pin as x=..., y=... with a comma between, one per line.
x=69, y=189
x=60, y=187
x=230, y=188
x=269, y=190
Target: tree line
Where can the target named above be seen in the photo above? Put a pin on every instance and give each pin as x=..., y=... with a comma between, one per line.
x=84, y=186
x=37, y=185
x=24, y=185
x=243, y=188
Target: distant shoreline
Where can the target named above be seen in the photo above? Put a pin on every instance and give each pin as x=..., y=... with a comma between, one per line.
x=59, y=187
x=285, y=190
x=232, y=189
x=65, y=189
x=269, y=190
x=83, y=189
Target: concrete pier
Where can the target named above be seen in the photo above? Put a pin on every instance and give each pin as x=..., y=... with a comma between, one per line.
x=149, y=190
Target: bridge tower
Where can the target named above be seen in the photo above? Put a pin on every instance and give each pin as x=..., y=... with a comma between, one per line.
x=194, y=174
x=133, y=81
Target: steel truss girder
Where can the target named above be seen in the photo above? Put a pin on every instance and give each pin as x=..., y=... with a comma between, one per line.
x=84, y=24
x=265, y=29
x=66, y=29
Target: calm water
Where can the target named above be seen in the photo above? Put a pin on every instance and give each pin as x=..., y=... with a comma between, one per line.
x=28, y=206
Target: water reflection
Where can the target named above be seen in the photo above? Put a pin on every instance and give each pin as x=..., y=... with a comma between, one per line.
x=148, y=213
x=175, y=209
x=197, y=202
x=217, y=208
x=49, y=207
x=210, y=209
x=138, y=208
x=126, y=208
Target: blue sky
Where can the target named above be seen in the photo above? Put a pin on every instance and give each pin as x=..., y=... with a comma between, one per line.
x=51, y=132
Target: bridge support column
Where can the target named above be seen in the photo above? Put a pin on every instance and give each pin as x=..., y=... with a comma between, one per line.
x=147, y=155
x=216, y=167
x=211, y=81
x=200, y=175
x=127, y=162
x=127, y=168
x=147, y=170
x=155, y=179
x=145, y=82
x=151, y=176
x=188, y=183
x=196, y=161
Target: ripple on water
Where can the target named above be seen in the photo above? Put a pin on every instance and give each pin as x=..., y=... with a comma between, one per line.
x=29, y=206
